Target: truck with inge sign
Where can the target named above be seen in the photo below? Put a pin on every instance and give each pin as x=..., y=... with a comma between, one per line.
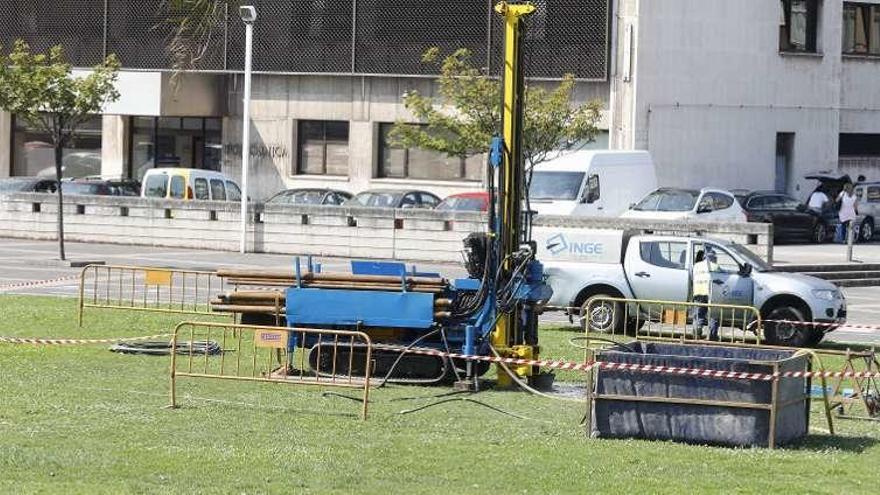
x=585, y=265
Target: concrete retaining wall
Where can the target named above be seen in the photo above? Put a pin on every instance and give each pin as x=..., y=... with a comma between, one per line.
x=412, y=235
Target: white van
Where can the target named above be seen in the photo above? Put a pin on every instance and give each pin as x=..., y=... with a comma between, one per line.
x=591, y=183
x=189, y=183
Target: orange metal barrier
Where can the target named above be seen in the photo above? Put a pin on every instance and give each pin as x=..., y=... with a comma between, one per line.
x=137, y=288
x=335, y=358
x=669, y=320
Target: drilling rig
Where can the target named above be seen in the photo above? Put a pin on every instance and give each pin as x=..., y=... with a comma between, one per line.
x=493, y=311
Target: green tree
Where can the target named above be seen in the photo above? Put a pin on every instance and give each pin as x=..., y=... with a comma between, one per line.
x=41, y=90
x=466, y=113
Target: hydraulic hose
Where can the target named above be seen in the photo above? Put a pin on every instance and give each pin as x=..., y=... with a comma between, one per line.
x=163, y=347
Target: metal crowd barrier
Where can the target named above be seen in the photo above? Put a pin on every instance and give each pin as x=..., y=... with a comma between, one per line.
x=137, y=288
x=669, y=320
x=334, y=358
x=848, y=393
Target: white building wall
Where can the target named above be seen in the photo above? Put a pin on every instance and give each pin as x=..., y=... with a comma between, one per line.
x=712, y=90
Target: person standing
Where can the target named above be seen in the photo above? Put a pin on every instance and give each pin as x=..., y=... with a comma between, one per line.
x=848, y=210
x=701, y=292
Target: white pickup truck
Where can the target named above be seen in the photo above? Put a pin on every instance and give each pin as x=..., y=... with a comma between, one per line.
x=585, y=264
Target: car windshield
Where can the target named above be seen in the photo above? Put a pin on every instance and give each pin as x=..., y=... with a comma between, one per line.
x=85, y=188
x=749, y=257
x=668, y=200
x=788, y=203
x=124, y=189
x=461, y=204
x=378, y=199
x=12, y=185
x=555, y=185
x=306, y=198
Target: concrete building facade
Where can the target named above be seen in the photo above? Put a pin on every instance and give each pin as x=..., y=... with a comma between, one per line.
x=721, y=96
x=748, y=94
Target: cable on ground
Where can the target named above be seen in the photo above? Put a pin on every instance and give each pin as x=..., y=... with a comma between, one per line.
x=163, y=347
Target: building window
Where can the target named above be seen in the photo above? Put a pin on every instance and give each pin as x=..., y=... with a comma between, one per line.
x=189, y=142
x=33, y=154
x=861, y=29
x=322, y=147
x=413, y=163
x=799, y=26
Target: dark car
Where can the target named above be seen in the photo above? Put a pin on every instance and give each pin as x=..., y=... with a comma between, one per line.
x=792, y=220
x=390, y=198
x=101, y=187
x=469, y=201
x=309, y=197
x=27, y=184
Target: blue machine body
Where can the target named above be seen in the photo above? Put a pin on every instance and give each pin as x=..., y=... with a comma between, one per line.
x=323, y=307
x=412, y=312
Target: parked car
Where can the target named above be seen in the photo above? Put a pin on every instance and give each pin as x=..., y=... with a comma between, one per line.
x=594, y=183
x=390, y=198
x=189, y=184
x=869, y=208
x=832, y=184
x=309, y=197
x=707, y=204
x=791, y=219
x=75, y=164
x=118, y=186
x=27, y=184
x=469, y=201
x=585, y=265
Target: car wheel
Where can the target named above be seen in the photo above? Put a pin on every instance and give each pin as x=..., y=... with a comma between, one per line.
x=820, y=233
x=598, y=315
x=866, y=230
x=781, y=328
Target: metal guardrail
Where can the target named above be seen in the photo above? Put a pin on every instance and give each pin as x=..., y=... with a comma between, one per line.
x=336, y=358
x=671, y=320
x=157, y=290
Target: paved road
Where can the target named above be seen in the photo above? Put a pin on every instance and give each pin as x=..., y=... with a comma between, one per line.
x=25, y=261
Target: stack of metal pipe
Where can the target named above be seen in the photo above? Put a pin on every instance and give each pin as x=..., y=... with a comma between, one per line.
x=263, y=292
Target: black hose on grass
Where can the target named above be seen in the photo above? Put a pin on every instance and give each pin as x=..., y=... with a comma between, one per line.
x=163, y=347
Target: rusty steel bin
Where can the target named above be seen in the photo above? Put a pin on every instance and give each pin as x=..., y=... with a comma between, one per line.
x=696, y=409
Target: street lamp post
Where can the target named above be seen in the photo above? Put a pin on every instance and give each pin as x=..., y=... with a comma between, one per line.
x=248, y=14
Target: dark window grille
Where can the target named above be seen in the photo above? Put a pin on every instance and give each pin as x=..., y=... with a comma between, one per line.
x=322, y=147
x=413, y=163
x=384, y=37
x=799, y=26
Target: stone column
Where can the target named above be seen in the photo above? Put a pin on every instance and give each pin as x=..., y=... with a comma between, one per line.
x=361, y=153
x=114, y=145
x=5, y=144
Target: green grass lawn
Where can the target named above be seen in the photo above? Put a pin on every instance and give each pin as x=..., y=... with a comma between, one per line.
x=84, y=420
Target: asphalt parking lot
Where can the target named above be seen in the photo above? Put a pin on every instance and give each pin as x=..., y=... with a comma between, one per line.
x=24, y=261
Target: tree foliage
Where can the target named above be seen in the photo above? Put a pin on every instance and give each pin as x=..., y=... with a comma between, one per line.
x=461, y=120
x=195, y=23
x=41, y=90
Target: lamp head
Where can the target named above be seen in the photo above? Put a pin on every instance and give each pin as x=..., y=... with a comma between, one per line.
x=248, y=13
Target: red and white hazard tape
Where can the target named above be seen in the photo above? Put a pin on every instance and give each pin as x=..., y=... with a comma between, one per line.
x=553, y=364
x=37, y=341
x=671, y=370
x=37, y=283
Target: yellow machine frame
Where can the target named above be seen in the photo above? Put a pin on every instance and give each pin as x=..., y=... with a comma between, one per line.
x=513, y=173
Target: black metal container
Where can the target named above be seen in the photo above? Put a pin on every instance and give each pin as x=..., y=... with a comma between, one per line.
x=696, y=409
